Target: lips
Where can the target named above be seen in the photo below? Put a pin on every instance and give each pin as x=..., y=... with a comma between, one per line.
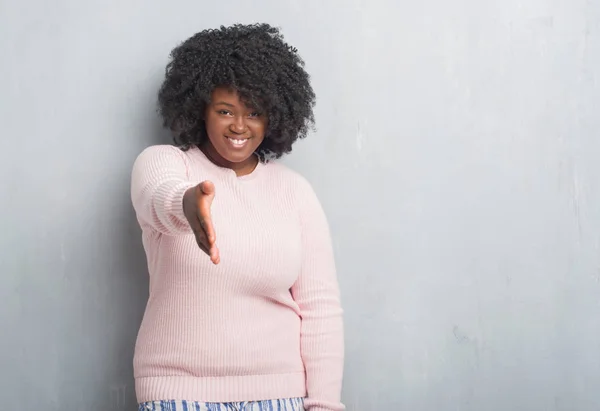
x=237, y=142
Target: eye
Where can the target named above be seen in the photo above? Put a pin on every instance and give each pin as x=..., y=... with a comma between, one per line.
x=254, y=115
x=224, y=112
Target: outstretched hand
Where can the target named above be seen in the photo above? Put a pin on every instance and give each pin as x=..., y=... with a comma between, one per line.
x=196, y=208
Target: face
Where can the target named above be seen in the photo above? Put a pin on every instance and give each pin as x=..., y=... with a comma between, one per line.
x=235, y=130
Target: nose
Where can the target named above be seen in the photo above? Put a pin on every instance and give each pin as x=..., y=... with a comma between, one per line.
x=238, y=125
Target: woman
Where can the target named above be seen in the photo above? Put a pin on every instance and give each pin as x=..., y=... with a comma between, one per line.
x=244, y=310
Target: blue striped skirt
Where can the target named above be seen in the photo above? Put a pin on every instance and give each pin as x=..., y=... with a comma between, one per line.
x=290, y=404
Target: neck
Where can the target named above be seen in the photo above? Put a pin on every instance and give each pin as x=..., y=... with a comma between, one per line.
x=241, y=169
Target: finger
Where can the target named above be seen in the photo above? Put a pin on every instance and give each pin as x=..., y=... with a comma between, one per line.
x=203, y=248
x=205, y=199
x=196, y=224
x=209, y=231
x=202, y=241
x=212, y=252
x=208, y=188
x=200, y=233
x=206, y=223
x=215, y=256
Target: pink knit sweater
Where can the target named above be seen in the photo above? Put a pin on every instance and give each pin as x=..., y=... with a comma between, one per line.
x=266, y=322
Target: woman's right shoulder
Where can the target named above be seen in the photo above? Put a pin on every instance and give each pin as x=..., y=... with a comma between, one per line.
x=161, y=150
x=162, y=154
x=160, y=159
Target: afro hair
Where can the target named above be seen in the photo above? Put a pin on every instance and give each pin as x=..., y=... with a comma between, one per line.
x=267, y=73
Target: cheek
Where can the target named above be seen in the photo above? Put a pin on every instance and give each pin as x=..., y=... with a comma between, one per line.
x=259, y=129
x=213, y=126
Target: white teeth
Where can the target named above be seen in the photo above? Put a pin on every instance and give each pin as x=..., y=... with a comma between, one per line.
x=237, y=142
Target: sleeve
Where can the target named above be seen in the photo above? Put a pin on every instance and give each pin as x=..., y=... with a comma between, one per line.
x=317, y=294
x=158, y=182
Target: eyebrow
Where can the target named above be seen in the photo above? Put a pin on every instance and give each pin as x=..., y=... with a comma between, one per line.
x=224, y=104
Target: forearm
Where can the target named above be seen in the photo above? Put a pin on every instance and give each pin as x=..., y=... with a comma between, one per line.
x=322, y=345
x=318, y=296
x=158, y=185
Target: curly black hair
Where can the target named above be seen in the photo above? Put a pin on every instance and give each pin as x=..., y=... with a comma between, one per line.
x=267, y=73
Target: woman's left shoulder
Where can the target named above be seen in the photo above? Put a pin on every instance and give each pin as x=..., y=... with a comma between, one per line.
x=294, y=184
x=289, y=176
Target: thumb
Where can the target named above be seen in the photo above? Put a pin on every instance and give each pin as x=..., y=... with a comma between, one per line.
x=207, y=188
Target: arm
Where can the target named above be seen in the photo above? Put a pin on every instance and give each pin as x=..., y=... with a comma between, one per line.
x=316, y=293
x=159, y=181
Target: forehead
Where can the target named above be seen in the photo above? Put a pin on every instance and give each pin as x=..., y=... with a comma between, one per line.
x=229, y=96
x=225, y=94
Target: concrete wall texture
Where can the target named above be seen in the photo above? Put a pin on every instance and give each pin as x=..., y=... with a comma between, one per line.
x=456, y=156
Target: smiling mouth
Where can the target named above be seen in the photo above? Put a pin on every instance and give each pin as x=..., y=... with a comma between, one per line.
x=238, y=142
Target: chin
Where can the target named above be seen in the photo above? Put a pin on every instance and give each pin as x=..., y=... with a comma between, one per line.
x=236, y=155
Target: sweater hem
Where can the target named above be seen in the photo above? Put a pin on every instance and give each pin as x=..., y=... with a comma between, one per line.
x=221, y=389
